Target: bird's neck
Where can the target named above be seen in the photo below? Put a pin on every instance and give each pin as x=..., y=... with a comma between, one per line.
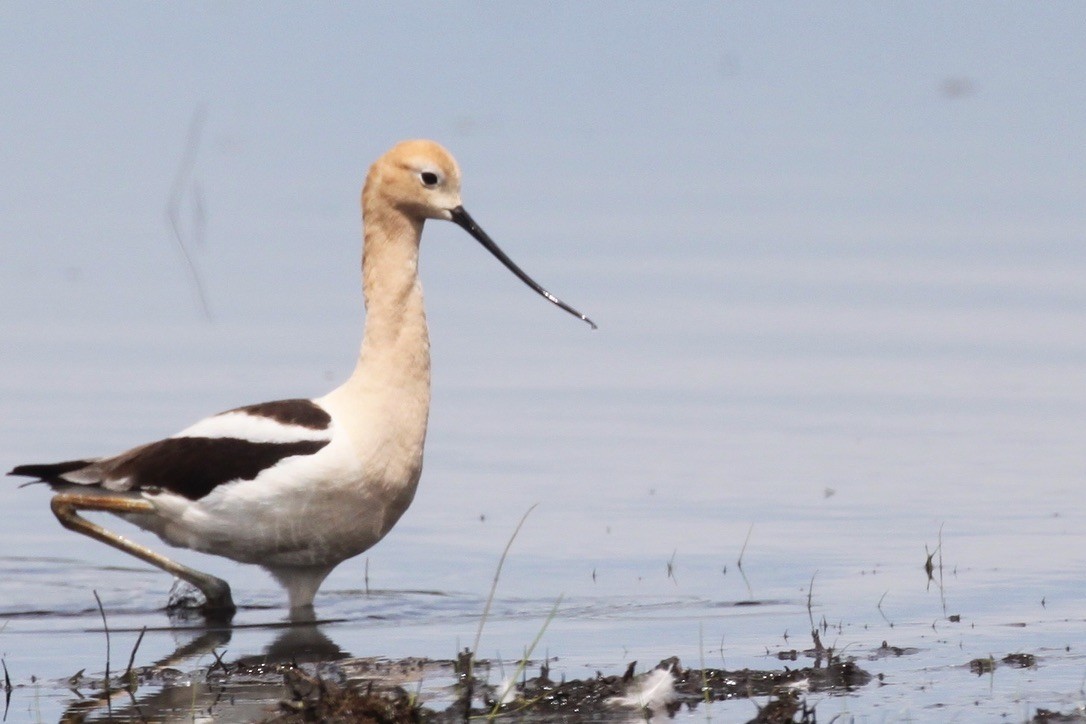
x=395, y=344
x=392, y=377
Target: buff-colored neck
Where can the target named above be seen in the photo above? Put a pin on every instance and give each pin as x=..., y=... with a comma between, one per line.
x=392, y=378
x=396, y=344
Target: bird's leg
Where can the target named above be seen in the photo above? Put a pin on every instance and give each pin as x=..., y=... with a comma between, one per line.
x=66, y=506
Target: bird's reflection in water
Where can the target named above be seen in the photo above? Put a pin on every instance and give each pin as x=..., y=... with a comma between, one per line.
x=183, y=686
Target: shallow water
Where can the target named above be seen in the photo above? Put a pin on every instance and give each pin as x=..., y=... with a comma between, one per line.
x=836, y=257
x=838, y=454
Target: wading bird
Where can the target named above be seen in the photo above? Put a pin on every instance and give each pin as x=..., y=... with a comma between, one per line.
x=299, y=486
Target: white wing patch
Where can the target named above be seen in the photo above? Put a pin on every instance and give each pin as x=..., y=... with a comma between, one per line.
x=91, y=474
x=254, y=428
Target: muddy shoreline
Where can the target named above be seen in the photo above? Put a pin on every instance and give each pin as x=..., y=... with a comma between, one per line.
x=378, y=690
x=305, y=677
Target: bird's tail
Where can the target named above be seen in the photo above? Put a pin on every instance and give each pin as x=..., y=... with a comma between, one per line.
x=51, y=473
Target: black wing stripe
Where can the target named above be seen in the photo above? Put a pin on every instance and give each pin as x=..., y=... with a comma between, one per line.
x=194, y=466
x=303, y=413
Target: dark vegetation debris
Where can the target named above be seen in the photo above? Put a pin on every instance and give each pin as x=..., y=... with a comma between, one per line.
x=315, y=699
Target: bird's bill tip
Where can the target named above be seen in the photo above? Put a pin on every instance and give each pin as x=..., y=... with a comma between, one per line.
x=462, y=218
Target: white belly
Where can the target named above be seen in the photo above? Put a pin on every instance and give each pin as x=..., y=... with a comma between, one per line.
x=313, y=510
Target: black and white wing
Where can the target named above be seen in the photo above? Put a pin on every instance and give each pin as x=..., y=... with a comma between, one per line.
x=234, y=445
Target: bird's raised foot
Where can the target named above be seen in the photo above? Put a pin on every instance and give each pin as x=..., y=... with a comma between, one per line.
x=201, y=594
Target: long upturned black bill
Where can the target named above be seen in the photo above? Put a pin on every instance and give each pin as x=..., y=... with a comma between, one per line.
x=464, y=221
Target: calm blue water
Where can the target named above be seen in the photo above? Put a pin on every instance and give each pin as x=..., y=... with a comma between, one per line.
x=837, y=265
x=846, y=437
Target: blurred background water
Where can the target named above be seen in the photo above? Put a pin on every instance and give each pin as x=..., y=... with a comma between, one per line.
x=836, y=254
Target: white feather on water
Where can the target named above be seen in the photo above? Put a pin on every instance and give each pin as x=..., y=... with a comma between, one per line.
x=652, y=691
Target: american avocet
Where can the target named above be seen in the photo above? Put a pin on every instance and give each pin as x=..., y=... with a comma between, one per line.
x=299, y=486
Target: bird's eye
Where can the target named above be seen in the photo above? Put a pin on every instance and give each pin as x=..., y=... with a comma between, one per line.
x=428, y=178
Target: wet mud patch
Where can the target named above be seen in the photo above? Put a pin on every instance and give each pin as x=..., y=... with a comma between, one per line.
x=988, y=664
x=663, y=690
x=1044, y=715
x=668, y=688
x=424, y=690
x=314, y=699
